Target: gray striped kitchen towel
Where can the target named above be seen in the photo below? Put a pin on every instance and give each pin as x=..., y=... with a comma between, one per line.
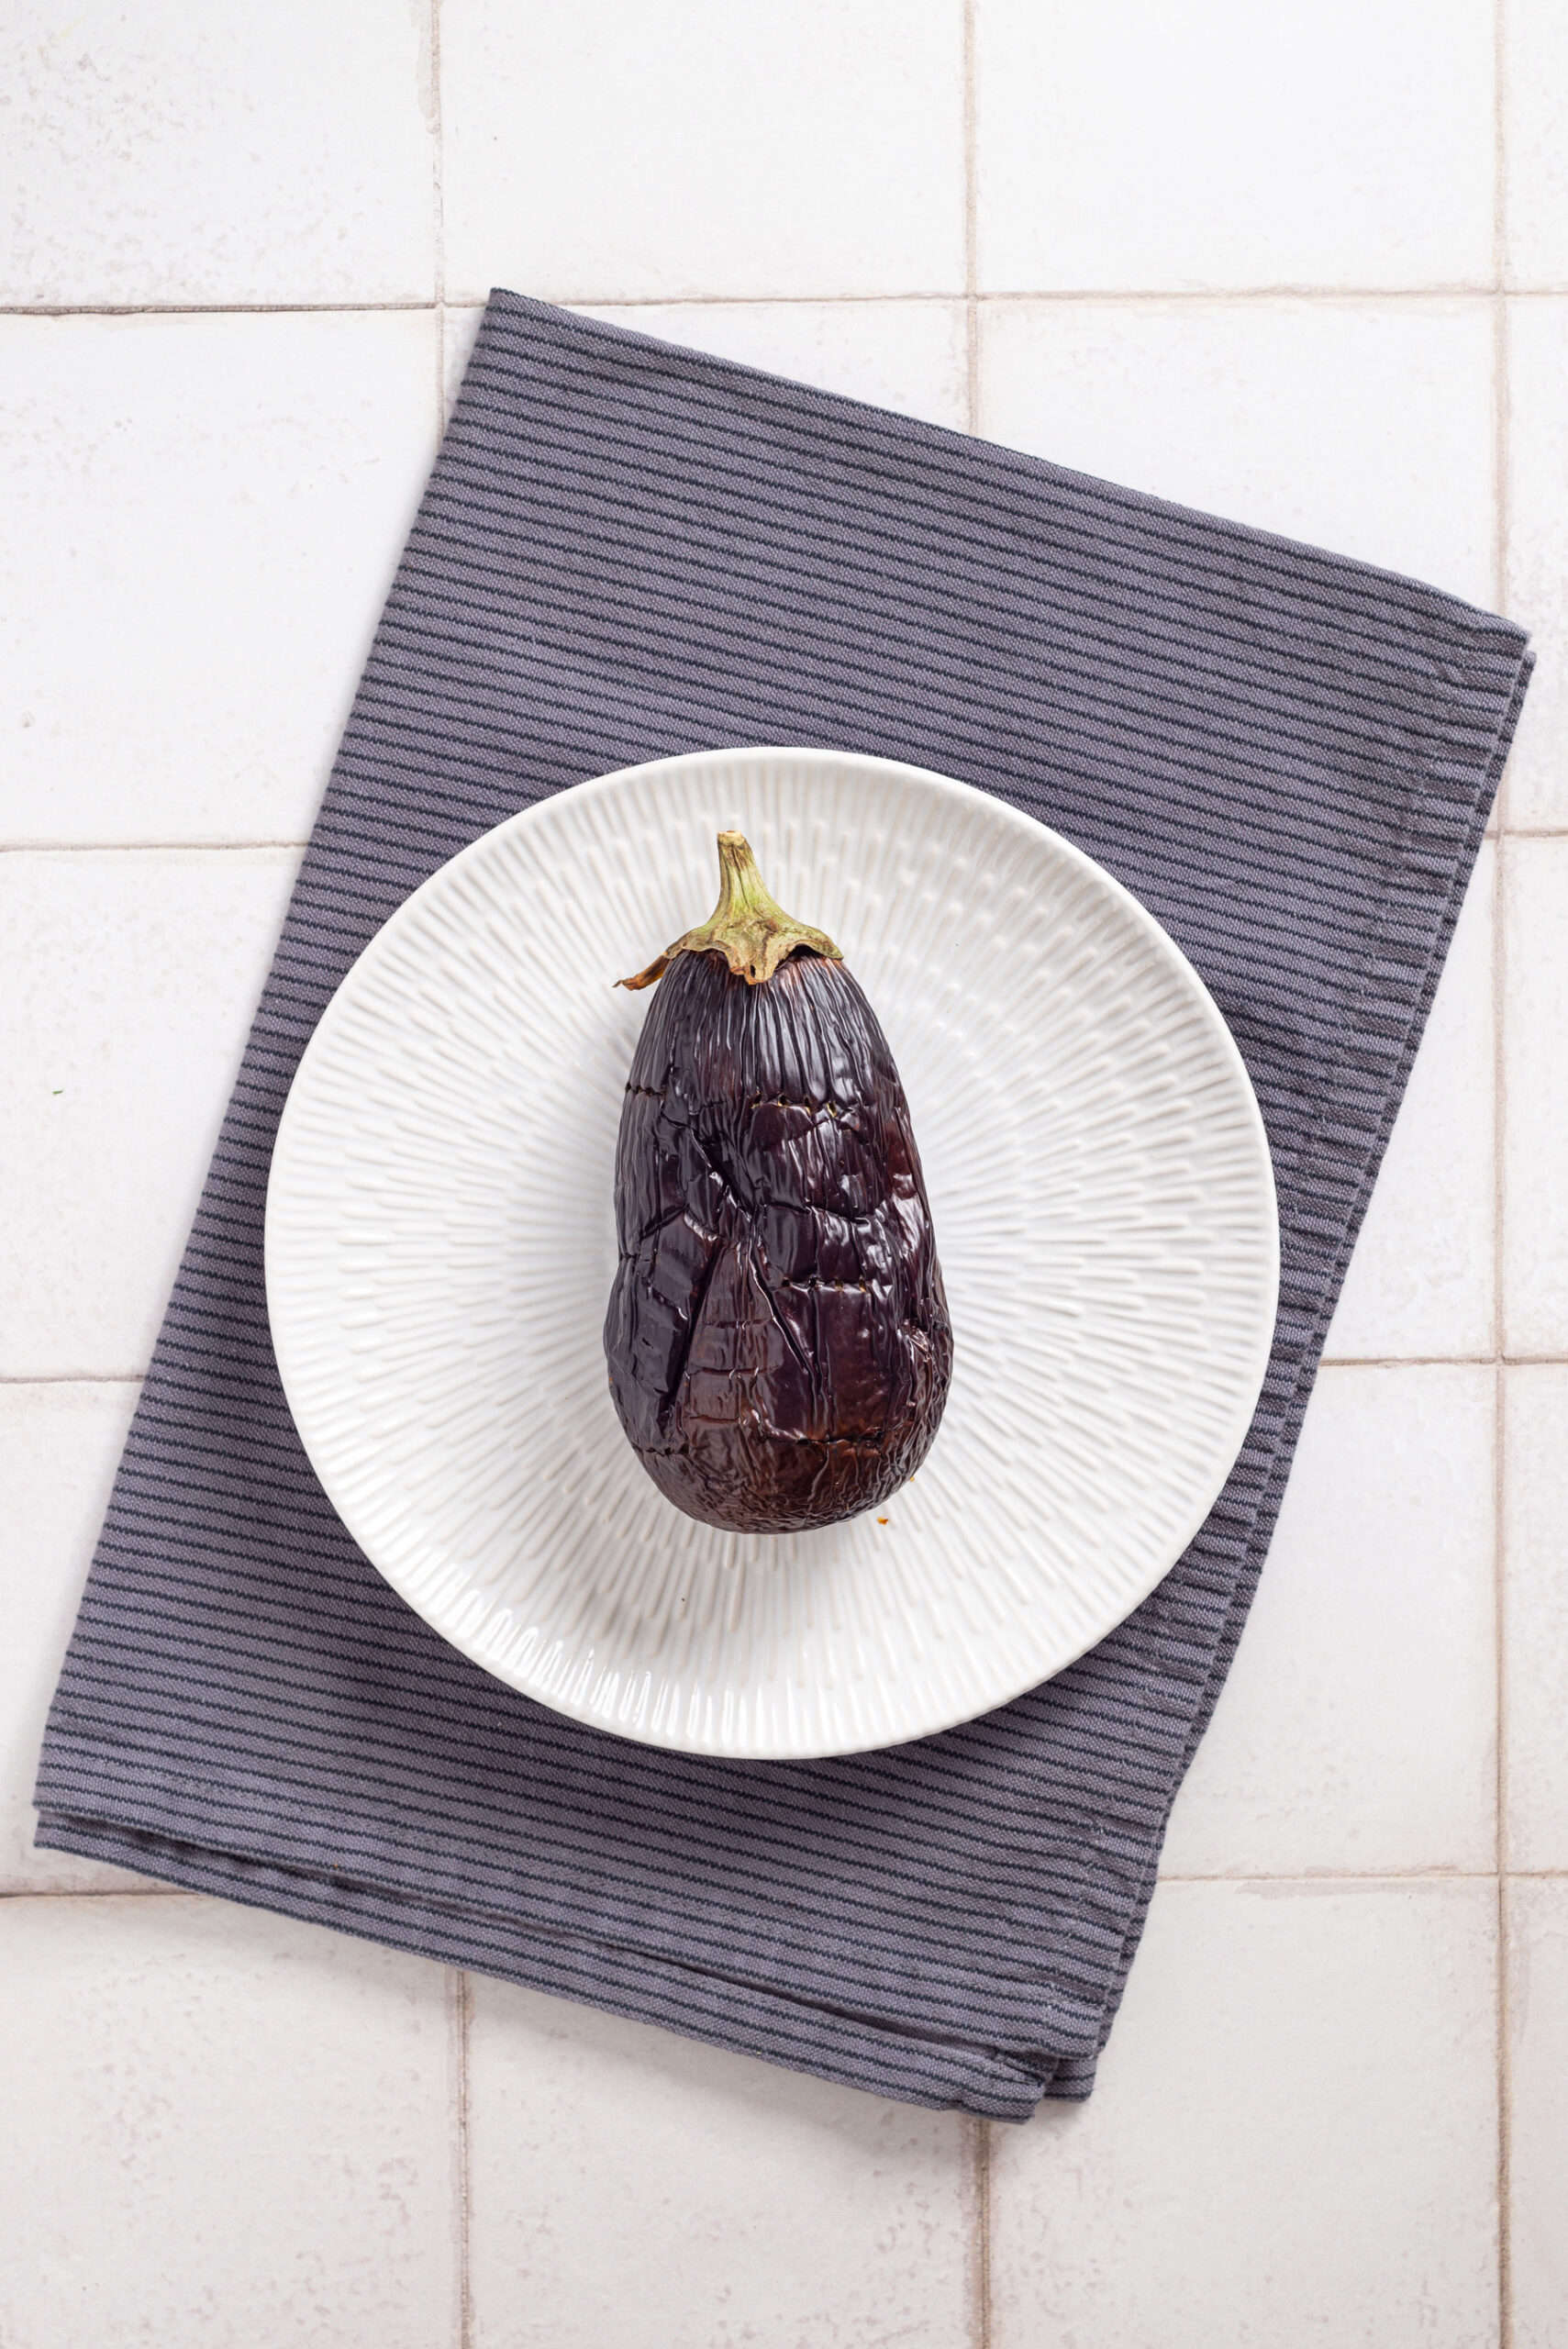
x=628, y=551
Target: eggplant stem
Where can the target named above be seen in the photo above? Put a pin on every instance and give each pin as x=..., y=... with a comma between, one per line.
x=752, y=932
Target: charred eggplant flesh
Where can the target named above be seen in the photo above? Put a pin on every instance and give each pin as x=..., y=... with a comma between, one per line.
x=777, y=1334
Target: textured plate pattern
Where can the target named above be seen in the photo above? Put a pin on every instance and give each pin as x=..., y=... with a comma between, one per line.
x=440, y=1240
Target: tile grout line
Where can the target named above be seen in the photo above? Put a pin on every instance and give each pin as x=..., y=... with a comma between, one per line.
x=982, y=2150
x=1454, y=289
x=1368, y=1875
x=210, y=309
x=1285, y=290
x=1499, y=1600
x=1500, y=517
x=1504, y=2080
x=151, y=1890
x=1345, y=1876
x=462, y=2018
x=971, y=238
x=439, y=140
x=142, y=848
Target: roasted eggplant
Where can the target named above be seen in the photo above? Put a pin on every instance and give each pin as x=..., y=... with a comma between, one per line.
x=777, y=1335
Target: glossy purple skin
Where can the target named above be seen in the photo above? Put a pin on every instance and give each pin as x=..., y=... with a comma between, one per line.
x=777, y=1335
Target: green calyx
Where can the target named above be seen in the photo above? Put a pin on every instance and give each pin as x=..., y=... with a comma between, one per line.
x=752, y=932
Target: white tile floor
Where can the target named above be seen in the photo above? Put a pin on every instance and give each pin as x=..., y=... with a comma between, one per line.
x=1306, y=264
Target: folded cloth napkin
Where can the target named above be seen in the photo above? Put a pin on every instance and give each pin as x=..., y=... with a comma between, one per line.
x=628, y=551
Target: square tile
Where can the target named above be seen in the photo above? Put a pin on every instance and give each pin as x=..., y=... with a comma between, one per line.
x=132, y=976
x=1362, y=426
x=220, y=154
x=1317, y=142
x=1535, y=1111
x=1357, y=1730
x=1537, y=2163
x=224, y=2128
x=1538, y=554
x=1535, y=85
x=1420, y=1280
x=912, y=356
x=630, y=2186
x=1293, y=2139
x=595, y=154
x=59, y=1449
x=1535, y=1614
x=199, y=520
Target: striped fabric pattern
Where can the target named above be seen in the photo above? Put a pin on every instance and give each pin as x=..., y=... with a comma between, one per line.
x=628, y=551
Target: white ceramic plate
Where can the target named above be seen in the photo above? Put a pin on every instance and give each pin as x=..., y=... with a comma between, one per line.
x=440, y=1240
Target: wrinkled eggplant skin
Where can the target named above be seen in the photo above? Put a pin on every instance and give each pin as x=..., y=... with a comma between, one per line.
x=777, y=1335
